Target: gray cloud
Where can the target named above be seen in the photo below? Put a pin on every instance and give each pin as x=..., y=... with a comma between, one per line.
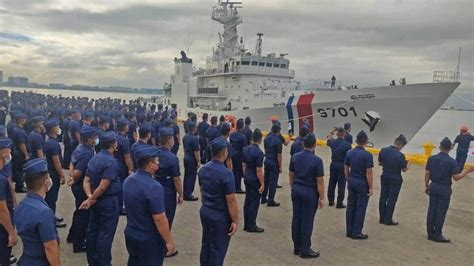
x=367, y=43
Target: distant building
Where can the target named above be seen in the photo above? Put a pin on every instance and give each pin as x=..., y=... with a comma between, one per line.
x=18, y=81
x=57, y=86
x=1, y=76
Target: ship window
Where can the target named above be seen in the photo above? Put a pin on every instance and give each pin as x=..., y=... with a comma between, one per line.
x=245, y=63
x=283, y=65
x=208, y=90
x=269, y=64
x=238, y=63
x=276, y=65
x=261, y=64
x=254, y=63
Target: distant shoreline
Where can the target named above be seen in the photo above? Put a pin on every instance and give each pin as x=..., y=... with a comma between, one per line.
x=81, y=90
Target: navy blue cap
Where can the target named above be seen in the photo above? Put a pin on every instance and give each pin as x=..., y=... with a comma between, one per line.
x=51, y=123
x=35, y=166
x=217, y=144
x=5, y=143
x=122, y=122
x=347, y=126
x=37, y=119
x=88, y=132
x=20, y=116
x=248, y=120
x=76, y=111
x=191, y=125
x=107, y=136
x=145, y=128
x=89, y=115
x=104, y=119
x=402, y=139
x=446, y=143
x=146, y=152
x=166, y=131
x=362, y=136
x=276, y=125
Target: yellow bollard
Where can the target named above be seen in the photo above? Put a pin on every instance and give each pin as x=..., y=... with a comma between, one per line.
x=428, y=147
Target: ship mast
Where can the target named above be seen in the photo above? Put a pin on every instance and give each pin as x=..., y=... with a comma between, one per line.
x=457, y=76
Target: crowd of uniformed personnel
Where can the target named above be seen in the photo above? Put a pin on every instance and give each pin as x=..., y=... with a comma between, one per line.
x=121, y=159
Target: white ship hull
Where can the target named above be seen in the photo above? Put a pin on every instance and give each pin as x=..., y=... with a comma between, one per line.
x=399, y=109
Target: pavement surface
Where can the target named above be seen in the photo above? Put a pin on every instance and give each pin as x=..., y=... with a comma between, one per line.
x=405, y=244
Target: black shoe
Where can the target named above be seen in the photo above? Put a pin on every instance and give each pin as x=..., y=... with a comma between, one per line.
x=255, y=229
x=175, y=253
x=331, y=203
x=431, y=238
x=13, y=259
x=240, y=191
x=441, y=239
x=391, y=223
x=59, y=219
x=273, y=204
x=340, y=206
x=348, y=235
x=122, y=211
x=381, y=221
x=79, y=250
x=21, y=190
x=192, y=198
x=263, y=201
x=309, y=255
x=360, y=237
x=279, y=186
x=296, y=252
x=60, y=224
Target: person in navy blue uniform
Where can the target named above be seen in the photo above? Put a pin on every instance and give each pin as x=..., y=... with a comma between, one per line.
x=122, y=155
x=104, y=124
x=297, y=145
x=20, y=152
x=254, y=181
x=147, y=234
x=192, y=161
x=8, y=235
x=87, y=119
x=77, y=170
x=440, y=169
x=132, y=128
x=34, y=219
x=238, y=140
x=74, y=130
x=186, y=123
x=144, y=135
x=393, y=163
x=464, y=141
x=348, y=136
x=66, y=138
x=358, y=171
x=225, y=131
x=202, y=129
x=247, y=131
x=102, y=187
x=307, y=194
x=273, y=163
x=54, y=157
x=339, y=148
x=169, y=175
x=219, y=211
x=211, y=133
x=35, y=138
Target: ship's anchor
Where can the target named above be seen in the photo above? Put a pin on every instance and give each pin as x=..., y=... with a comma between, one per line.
x=371, y=119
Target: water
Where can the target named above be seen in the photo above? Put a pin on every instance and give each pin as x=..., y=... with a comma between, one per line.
x=443, y=123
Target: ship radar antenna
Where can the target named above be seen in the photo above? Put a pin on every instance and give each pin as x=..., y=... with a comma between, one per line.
x=458, y=73
x=258, y=47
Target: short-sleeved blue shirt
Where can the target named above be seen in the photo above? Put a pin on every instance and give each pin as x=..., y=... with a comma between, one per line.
x=132, y=128
x=359, y=160
x=238, y=140
x=212, y=133
x=307, y=167
x=273, y=146
x=191, y=145
x=80, y=158
x=176, y=133
x=339, y=149
x=35, y=224
x=463, y=141
x=297, y=146
x=143, y=197
x=123, y=147
x=104, y=166
x=19, y=137
x=52, y=148
x=348, y=138
x=169, y=168
x=393, y=162
x=202, y=129
x=5, y=191
x=248, y=134
x=442, y=167
x=74, y=127
x=216, y=182
x=35, y=142
x=135, y=146
x=253, y=159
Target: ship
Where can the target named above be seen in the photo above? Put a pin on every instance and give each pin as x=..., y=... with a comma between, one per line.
x=240, y=83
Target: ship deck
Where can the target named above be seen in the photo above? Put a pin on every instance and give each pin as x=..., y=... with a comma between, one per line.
x=405, y=244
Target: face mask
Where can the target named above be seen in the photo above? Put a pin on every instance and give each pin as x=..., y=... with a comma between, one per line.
x=96, y=141
x=8, y=159
x=58, y=131
x=49, y=183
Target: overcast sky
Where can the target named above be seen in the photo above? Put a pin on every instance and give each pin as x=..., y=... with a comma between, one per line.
x=132, y=43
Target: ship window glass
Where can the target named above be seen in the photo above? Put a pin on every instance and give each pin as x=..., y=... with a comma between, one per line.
x=276, y=65
x=245, y=63
x=269, y=64
x=283, y=65
x=261, y=63
x=208, y=90
x=254, y=63
x=238, y=63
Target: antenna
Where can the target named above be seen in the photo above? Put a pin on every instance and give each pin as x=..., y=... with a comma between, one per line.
x=458, y=73
x=188, y=42
x=258, y=47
